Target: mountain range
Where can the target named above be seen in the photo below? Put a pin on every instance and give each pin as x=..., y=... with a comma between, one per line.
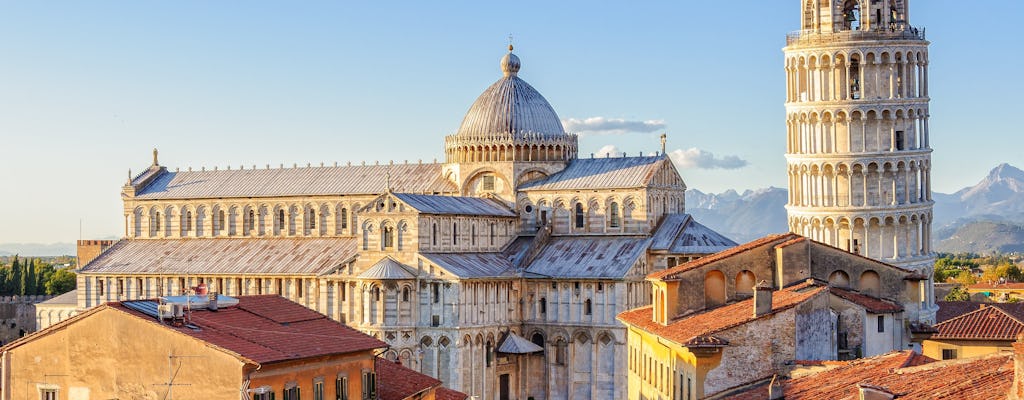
x=984, y=218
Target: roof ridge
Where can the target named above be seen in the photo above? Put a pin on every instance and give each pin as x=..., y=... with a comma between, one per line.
x=983, y=309
x=720, y=255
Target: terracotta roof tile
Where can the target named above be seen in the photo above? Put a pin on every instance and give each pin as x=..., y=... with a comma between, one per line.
x=672, y=272
x=952, y=309
x=706, y=324
x=870, y=303
x=448, y=394
x=997, y=286
x=911, y=375
x=396, y=382
x=987, y=323
x=266, y=329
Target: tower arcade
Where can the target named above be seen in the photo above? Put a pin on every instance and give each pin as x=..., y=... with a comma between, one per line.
x=858, y=153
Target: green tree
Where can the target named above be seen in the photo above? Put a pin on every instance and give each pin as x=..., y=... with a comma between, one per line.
x=966, y=278
x=29, y=278
x=958, y=294
x=61, y=281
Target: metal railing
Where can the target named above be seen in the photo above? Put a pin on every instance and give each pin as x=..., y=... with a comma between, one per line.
x=896, y=32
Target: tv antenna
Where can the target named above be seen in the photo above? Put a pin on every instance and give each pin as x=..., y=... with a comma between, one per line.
x=172, y=373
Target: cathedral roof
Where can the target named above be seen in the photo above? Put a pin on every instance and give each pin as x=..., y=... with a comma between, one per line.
x=473, y=265
x=388, y=269
x=264, y=256
x=355, y=179
x=597, y=257
x=601, y=173
x=511, y=106
x=681, y=234
x=453, y=205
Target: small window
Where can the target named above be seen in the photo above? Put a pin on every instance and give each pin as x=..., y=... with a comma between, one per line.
x=437, y=292
x=291, y=393
x=588, y=307
x=455, y=233
x=433, y=234
x=529, y=209
x=580, y=221
x=369, y=385
x=543, y=305
x=488, y=182
x=389, y=237
x=344, y=218
x=138, y=288
x=881, y=323
x=99, y=287
x=405, y=294
x=490, y=354
x=899, y=140
x=948, y=354
x=600, y=286
x=250, y=223
x=188, y=221
x=492, y=234
x=614, y=220
x=48, y=394
x=267, y=395
x=341, y=388
x=472, y=235
x=318, y=390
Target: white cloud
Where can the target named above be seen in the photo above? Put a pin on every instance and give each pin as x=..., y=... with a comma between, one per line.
x=609, y=150
x=611, y=126
x=696, y=158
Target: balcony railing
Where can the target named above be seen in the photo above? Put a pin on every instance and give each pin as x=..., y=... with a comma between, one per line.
x=902, y=32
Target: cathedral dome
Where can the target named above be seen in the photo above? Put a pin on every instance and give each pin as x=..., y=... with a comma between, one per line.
x=511, y=106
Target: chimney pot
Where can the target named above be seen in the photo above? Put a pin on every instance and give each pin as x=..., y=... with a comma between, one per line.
x=762, y=299
x=212, y=301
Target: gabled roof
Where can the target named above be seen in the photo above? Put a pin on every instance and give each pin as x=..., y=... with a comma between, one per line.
x=872, y=304
x=609, y=257
x=453, y=205
x=515, y=344
x=681, y=234
x=396, y=382
x=910, y=375
x=69, y=298
x=473, y=265
x=986, y=323
x=699, y=329
x=672, y=273
x=601, y=173
x=388, y=269
x=260, y=329
x=198, y=256
x=952, y=309
x=444, y=393
x=306, y=181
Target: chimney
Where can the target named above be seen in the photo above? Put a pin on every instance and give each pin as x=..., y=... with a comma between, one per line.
x=1017, y=388
x=775, y=391
x=762, y=299
x=212, y=304
x=868, y=392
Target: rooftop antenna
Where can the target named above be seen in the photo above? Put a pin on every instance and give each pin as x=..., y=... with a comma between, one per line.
x=173, y=373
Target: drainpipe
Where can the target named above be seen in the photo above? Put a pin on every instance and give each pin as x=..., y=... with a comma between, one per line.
x=5, y=382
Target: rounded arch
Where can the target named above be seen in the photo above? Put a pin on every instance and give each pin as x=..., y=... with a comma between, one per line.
x=839, y=278
x=745, y=281
x=714, y=288
x=870, y=283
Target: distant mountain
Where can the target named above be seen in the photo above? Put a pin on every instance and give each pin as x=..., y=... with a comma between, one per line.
x=740, y=216
x=980, y=237
x=999, y=196
x=38, y=249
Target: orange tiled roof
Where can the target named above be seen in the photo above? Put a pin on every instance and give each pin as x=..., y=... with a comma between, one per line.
x=448, y=394
x=997, y=286
x=696, y=328
x=671, y=272
x=986, y=323
x=872, y=304
x=396, y=382
x=952, y=309
x=906, y=373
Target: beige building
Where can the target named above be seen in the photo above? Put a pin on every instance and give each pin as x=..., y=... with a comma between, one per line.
x=499, y=271
x=858, y=152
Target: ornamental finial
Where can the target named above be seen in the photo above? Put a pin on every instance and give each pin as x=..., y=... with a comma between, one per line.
x=156, y=163
x=510, y=43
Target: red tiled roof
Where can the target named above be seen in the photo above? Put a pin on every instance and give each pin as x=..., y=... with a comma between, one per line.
x=448, y=394
x=696, y=326
x=987, y=323
x=269, y=328
x=871, y=304
x=671, y=272
x=396, y=382
x=911, y=375
x=952, y=309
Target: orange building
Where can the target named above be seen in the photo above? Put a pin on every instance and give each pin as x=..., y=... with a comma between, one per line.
x=255, y=347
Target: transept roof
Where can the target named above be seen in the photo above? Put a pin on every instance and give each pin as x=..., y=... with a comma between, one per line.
x=601, y=173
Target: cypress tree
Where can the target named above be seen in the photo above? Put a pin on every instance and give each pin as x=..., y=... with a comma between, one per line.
x=15, y=282
x=23, y=278
x=30, y=277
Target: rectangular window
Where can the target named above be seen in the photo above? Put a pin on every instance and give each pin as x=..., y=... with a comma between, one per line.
x=437, y=292
x=99, y=286
x=120, y=287
x=341, y=388
x=318, y=390
x=269, y=395
x=47, y=394
x=948, y=354
x=881, y=323
x=488, y=182
x=369, y=386
x=899, y=140
x=138, y=288
x=291, y=393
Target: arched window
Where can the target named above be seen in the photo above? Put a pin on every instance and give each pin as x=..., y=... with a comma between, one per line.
x=543, y=305
x=490, y=353
x=311, y=219
x=405, y=293
x=839, y=278
x=588, y=307
x=279, y=220
x=388, y=237
x=537, y=339
x=579, y=215
x=745, y=281
x=870, y=283
x=851, y=15
x=155, y=223
x=614, y=220
x=250, y=220
x=188, y=221
x=344, y=218
x=220, y=219
x=714, y=289
x=455, y=233
x=433, y=234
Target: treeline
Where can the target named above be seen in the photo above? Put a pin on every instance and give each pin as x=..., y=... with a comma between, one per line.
x=970, y=268
x=30, y=276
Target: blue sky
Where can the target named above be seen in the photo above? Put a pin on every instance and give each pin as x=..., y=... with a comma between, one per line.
x=87, y=89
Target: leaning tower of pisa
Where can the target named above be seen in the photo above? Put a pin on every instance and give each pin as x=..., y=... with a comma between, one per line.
x=858, y=156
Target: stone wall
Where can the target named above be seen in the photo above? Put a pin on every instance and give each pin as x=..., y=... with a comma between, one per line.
x=18, y=316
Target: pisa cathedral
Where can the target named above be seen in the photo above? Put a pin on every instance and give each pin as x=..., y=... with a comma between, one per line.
x=858, y=152
x=499, y=271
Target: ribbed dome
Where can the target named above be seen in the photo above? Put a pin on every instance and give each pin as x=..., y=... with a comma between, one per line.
x=511, y=105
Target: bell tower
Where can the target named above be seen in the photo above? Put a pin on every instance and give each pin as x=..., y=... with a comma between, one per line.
x=858, y=153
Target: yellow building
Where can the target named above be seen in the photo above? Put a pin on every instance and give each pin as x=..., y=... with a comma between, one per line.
x=253, y=347
x=990, y=328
